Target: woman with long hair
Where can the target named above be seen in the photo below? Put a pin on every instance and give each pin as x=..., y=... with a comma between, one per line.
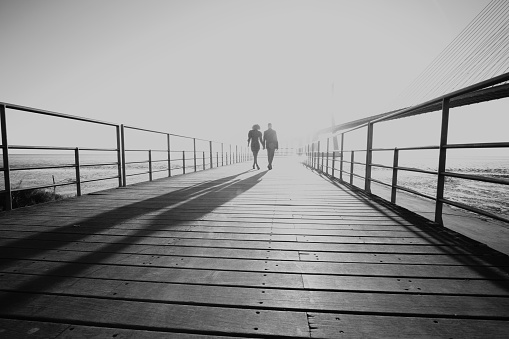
x=255, y=137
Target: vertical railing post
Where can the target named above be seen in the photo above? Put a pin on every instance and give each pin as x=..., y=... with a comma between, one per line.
x=203, y=160
x=341, y=153
x=217, y=159
x=78, y=174
x=230, y=154
x=222, y=155
x=327, y=158
x=119, y=155
x=194, y=153
x=169, y=154
x=211, y=156
x=312, y=155
x=369, y=158
x=395, y=164
x=318, y=156
x=150, y=165
x=442, y=158
x=352, y=159
x=6, y=166
x=333, y=163
x=122, y=141
x=236, y=154
x=183, y=162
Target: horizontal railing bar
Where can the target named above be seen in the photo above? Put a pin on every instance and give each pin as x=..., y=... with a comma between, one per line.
x=40, y=167
x=418, y=170
x=473, y=209
x=479, y=145
x=42, y=187
x=58, y=148
x=381, y=182
x=477, y=178
x=469, y=89
x=401, y=112
x=417, y=148
x=358, y=176
x=134, y=174
x=159, y=132
x=161, y=170
x=55, y=114
x=101, y=164
x=137, y=162
x=100, y=179
x=409, y=190
x=382, y=166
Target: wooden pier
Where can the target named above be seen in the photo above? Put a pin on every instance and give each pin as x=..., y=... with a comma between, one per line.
x=235, y=252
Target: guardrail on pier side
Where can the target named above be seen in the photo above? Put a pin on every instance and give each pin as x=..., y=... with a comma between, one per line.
x=320, y=157
x=179, y=157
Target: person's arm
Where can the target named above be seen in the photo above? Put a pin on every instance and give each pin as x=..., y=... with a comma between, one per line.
x=263, y=140
x=248, y=138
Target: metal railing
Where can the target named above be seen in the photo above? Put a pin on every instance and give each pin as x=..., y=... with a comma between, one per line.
x=179, y=161
x=326, y=161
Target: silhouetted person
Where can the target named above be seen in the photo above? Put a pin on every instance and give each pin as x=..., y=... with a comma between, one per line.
x=270, y=142
x=255, y=137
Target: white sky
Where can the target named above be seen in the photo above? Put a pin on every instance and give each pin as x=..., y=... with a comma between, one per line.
x=212, y=69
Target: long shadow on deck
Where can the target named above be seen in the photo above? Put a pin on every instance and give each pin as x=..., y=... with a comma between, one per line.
x=478, y=257
x=207, y=196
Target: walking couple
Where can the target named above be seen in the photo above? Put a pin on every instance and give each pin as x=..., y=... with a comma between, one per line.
x=269, y=141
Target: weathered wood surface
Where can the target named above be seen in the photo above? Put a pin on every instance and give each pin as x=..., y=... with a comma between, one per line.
x=236, y=253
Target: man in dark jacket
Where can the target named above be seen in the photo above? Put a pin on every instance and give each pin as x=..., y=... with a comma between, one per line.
x=270, y=142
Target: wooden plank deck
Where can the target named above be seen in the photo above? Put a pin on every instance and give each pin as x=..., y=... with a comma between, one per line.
x=232, y=252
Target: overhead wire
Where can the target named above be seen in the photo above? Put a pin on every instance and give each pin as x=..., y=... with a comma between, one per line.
x=478, y=53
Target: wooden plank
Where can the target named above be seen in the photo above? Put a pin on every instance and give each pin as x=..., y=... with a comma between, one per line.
x=372, y=326
x=306, y=267
x=277, y=299
x=12, y=328
x=261, y=279
x=30, y=248
x=51, y=233
x=154, y=316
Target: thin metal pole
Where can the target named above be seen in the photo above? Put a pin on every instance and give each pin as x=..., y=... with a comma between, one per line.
x=150, y=165
x=194, y=152
x=395, y=164
x=327, y=161
x=78, y=175
x=442, y=158
x=7, y=169
x=352, y=158
x=236, y=154
x=333, y=162
x=222, y=155
x=203, y=161
x=119, y=155
x=230, y=154
x=341, y=157
x=369, y=158
x=217, y=159
x=122, y=141
x=211, y=160
x=183, y=162
x=318, y=156
x=169, y=154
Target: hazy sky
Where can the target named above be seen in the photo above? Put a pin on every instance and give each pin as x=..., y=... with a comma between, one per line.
x=212, y=69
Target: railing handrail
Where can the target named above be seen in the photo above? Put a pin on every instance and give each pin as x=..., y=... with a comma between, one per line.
x=403, y=111
x=316, y=158
x=228, y=157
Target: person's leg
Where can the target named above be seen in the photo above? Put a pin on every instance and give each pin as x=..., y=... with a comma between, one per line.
x=270, y=154
x=255, y=159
